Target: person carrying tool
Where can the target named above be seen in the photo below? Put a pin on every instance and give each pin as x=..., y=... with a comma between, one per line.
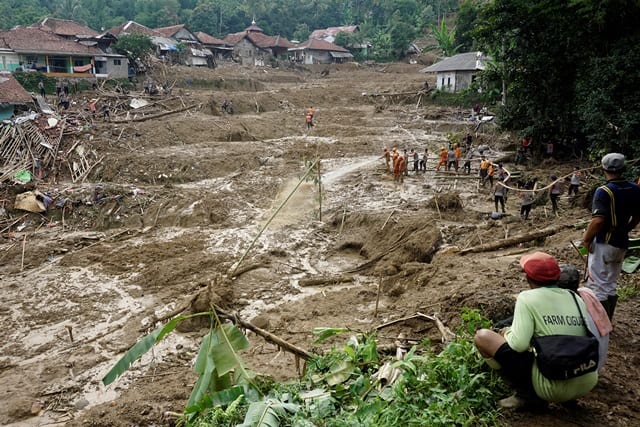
x=615, y=212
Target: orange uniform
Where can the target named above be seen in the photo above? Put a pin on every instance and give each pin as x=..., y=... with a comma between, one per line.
x=398, y=168
x=443, y=158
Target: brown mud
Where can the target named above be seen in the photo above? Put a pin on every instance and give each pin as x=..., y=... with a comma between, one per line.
x=177, y=201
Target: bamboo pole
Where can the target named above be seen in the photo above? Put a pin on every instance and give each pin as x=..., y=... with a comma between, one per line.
x=264, y=227
x=24, y=246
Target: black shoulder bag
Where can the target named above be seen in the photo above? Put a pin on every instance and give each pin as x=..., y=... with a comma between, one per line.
x=561, y=357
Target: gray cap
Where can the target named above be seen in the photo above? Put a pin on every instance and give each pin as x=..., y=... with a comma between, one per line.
x=613, y=162
x=569, y=277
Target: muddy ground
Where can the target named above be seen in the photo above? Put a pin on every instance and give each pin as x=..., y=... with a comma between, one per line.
x=177, y=201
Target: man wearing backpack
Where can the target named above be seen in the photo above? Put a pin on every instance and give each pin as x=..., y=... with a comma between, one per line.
x=615, y=212
x=541, y=311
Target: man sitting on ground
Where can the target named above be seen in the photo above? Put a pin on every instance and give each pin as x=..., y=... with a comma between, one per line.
x=535, y=315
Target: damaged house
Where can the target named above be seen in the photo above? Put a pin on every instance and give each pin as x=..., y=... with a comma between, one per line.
x=13, y=96
x=253, y=47
x=218, y=47
x=194, y=54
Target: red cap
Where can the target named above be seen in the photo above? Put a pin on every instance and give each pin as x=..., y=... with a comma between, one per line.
x=540, y=267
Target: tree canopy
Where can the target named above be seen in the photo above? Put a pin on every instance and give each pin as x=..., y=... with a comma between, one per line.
x=570, y=70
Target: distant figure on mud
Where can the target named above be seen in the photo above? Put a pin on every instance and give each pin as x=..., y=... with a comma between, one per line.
x=309, y=120
x=423, y=161
x=386, y=155
x=310, y=112
x=227, y=106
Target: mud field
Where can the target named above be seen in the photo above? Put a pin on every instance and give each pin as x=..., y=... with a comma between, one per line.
x=176, y=202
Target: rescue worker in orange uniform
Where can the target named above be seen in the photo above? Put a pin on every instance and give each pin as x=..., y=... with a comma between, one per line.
x=443, y=158
x=484, y=170
x=394, y=158
x=398, y=169
x=458, y=153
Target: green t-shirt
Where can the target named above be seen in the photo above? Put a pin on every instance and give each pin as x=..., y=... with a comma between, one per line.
x=549, y=311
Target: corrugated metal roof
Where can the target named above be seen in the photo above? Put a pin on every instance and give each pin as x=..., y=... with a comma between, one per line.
x=470, y=61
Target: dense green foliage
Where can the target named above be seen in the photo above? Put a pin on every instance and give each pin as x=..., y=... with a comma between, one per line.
x=570, y=68
x=134, y=46
x=347, y=386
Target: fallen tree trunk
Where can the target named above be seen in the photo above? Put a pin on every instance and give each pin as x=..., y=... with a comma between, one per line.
x=515, y=239
x=300, y=352
x=155, y=116
x=324, y=281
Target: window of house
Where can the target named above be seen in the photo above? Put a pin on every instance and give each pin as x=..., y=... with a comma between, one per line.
x=117, y=62
x=78, y=62
x=442, y=84
x=448, y=81
x=4, y=62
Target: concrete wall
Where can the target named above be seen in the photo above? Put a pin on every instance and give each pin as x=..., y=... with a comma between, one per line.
x=454, y=81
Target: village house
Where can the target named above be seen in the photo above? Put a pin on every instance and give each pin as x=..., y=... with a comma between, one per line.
x=329, y=35
x=253, y=47
x=456, y=73
x=315, y=51
x=194, y=53
x=34, y=48
x=12, y=96
x=72, y=30
x=218, y=47
x=165, y=47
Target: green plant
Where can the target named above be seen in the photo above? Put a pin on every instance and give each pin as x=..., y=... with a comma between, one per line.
x=472, y=320
x=223, y=377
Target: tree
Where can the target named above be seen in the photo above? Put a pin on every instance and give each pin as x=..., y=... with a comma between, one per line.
x=570, y=69
x=134, y=46
x=445, y=39
x=466, y=21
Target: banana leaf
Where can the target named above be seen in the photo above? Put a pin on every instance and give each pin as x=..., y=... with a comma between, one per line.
x=142, y=346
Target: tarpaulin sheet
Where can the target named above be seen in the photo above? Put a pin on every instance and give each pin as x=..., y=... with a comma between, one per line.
x=82, y=68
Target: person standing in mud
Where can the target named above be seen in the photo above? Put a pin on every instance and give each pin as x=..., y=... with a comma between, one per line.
x=574, y=184
x=554, y=193
x=458, y=153
x=614, y=213
x=500, y=194
x=309, y=120
x=466, y=168
x=41, y=88
x=451, y=159
x=484, y=170
x=423, y=161
x=387, y=158
x=416, y=160
x=398, y=169
x=443, y=159
x=526, y=202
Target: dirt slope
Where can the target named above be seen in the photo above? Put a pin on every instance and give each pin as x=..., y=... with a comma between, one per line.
x=177, y=201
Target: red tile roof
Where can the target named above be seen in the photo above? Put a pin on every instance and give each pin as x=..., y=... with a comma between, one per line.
x=261, y=40
x=170, y=31
x=207, y=39
x=12, y=92
x=64, y=27
x=35, y=40
x=132, y=27
x=315, y=44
